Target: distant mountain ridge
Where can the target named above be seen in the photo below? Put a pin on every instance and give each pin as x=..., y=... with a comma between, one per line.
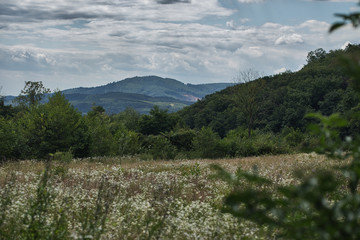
x=154, y=86
x=139, y=93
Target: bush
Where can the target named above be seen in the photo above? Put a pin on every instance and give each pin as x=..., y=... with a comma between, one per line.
x=239, y=144
x=12, y=140
x=207, y=144
x=182, y=139
x=127, y=142
x=293, y=137
x=62, y=157
x=159, y=147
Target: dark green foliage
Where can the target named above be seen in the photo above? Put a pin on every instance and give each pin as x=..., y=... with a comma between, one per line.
x=54, y=126
x=207, y=144
x=239, y=144
x=293, y=137
x=159, y=121
x=182, y=139
x=5, y=110
x=127, y=142
x=101, y=142
x=129, y=118
x=12, y=141
x=248, y=99
x=284, y=99
x=159, y=147
x=316, y=55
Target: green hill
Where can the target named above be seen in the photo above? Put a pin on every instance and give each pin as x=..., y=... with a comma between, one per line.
x=115, y=102
x=281, y=101
x=139, y=93
x=154, y=86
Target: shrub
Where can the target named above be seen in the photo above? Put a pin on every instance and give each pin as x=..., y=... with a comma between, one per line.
x=293, y=137
x=12, y=141
x=239, y=144
x=207, y=144
x=159, y=147
x=128, y=142
x=182, y=139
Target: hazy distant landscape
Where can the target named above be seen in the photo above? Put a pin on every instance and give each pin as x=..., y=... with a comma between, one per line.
x=139, y=93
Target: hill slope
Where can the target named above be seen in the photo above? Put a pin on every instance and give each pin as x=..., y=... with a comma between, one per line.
x=154, y=86
x=282, y=100
x=115, y=102
x=140, y=93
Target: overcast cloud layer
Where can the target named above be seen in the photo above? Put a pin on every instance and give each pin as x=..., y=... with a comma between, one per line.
x=67, y=43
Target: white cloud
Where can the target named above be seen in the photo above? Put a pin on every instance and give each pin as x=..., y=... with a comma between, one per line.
x=280, y=70
x=244, y=20
x=344, y=46
x=289, y=39
x=230, y=24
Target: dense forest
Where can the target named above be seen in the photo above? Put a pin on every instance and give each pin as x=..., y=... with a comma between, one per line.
x=264, y=116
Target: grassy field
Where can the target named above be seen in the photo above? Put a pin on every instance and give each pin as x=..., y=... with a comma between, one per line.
x=125, y=198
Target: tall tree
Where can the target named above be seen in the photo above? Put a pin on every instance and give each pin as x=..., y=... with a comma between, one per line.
x=32, y=94
x=54, y=126
x=248, y=97
x=159, y=121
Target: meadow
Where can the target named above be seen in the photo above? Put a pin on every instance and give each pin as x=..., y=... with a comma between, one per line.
x=126, y=198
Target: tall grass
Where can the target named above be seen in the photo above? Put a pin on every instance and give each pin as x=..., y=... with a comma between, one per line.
x=131, y=200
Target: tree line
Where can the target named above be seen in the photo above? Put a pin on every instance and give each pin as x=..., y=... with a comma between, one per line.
x=263, y=116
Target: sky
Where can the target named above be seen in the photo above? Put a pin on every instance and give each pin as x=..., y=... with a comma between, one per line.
x=67, y=43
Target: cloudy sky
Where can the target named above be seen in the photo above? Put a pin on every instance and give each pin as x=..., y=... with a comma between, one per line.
x=67, y=43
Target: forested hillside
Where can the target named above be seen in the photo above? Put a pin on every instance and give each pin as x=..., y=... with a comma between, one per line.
x=154, y=86
x=281, y=101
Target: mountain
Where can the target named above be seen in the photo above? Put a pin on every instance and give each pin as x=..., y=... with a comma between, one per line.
x=115, y=102
x=140, y=93
x=154, y=86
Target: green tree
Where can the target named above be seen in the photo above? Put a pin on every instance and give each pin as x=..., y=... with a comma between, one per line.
x=316, y=55
x=127, y=141
x=99, y=132
x=158, y=121
x=54, y=126
x=12, y=141
x=129, y=118
x=206, y=144
x=65, y=126
x=32, y=94
x=5, y=110
x=249, y=97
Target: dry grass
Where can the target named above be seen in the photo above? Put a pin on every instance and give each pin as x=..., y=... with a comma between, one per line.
x=152, y=199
